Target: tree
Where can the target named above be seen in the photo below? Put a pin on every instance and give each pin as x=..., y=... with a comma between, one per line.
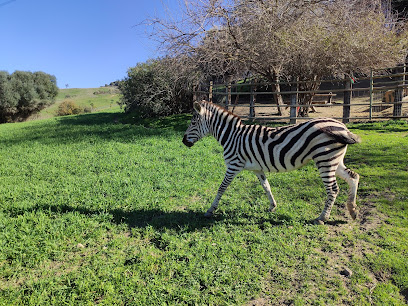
x=24, y=93
x=305, y=39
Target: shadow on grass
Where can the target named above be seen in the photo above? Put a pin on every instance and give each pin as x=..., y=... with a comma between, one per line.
x=175, y=122
x=119, y=127
x=383, y=126
x=158, y=219
x=136, y=218
x=176, y=220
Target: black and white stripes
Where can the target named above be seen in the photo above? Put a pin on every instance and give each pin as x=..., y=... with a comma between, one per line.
x=264, y=149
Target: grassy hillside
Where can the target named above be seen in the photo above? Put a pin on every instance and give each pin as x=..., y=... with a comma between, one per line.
x=97, y=99
x=95, y=211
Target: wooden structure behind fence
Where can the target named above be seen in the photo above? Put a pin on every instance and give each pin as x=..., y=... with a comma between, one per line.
x=379, y=96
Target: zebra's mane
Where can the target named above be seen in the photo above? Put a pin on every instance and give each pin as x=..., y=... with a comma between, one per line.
x=211, y=107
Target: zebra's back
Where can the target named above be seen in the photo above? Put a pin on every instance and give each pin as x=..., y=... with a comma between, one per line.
x=288, y=148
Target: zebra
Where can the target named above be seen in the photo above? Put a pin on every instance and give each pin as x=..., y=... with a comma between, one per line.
x=263, y=149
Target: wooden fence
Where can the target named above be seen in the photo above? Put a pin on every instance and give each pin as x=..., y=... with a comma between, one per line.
x=379, y=96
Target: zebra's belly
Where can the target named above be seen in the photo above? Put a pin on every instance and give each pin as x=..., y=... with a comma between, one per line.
x=253, y=166
x=268, y=167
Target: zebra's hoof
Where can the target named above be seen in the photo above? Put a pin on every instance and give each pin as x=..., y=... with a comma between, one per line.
x=208, y=214
x=272, y=209
x=318, y=222
x=353, y=214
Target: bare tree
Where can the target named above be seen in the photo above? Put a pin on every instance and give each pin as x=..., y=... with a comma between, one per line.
x=303, y=39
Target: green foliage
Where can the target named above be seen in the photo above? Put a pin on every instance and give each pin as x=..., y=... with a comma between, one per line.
x=69, y=107
x=157, y=88
x=96, y=212
x=24, y=93
x=84, y=98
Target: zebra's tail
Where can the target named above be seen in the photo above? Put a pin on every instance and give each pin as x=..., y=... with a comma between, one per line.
x=342, y=135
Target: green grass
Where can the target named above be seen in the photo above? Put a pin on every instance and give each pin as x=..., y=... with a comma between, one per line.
x=96, y=99
x=95, y=211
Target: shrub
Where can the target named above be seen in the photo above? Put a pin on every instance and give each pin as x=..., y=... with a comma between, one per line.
x=68, y=107
x=103, y=92
x=158, y=87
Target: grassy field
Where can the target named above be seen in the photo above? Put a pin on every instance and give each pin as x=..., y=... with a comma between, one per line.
x=95, y=99
x=95, y=211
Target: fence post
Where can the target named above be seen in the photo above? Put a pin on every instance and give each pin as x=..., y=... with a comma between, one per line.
x=293, y=101
x=228, y=91
x=371, y=94
x=210, y=92
x=346, y=99
x=397, y=111
x=252, y=99
x=195, y=89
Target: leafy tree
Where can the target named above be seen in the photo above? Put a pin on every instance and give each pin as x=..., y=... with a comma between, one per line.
x=8, y=98
x=24, y=93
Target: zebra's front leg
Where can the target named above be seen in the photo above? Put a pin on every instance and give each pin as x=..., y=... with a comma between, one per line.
x=229, y=176
x=265, y=184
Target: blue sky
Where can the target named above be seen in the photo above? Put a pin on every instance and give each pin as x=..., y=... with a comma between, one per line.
x=83, y=43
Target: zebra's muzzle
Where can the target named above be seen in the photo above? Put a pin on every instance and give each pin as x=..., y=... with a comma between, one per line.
x=186, y=142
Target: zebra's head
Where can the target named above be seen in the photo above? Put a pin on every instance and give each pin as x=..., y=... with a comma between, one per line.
x=198, y=127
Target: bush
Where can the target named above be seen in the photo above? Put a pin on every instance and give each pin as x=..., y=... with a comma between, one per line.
x=158, y=87
x=68, y=107
x=25, y=93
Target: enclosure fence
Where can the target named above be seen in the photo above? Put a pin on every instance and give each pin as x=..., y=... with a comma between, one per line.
x=382, y=95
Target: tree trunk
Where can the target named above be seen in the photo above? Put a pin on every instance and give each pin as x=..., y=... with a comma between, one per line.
x=306, y=99
x=277, y=96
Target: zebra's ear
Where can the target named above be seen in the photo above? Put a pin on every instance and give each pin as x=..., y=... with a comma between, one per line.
x=197, y=107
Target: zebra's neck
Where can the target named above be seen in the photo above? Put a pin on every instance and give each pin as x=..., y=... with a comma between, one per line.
x=222, y=124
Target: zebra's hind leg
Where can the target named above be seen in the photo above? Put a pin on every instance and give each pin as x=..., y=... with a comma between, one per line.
x=265, y=184
x=328, y=175
x=229, y=176
x=352, y=179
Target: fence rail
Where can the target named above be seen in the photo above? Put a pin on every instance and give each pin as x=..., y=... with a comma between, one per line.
x=381, y=96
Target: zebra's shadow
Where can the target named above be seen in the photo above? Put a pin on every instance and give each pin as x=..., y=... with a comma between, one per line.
x=183, y=220
x=186, y=220
x=179, y=220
